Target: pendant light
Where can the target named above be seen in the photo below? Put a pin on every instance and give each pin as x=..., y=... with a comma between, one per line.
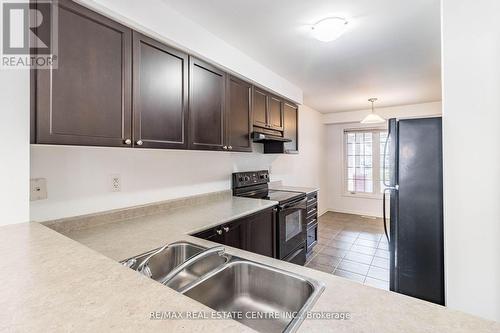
x=373, y=118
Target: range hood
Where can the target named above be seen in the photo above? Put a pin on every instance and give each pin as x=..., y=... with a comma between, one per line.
x=265, y=137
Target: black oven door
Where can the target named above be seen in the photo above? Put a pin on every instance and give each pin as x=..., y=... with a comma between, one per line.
x=292, y=226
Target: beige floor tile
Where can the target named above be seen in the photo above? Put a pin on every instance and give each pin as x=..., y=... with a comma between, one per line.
x=363, y=249
x=382, y=253
x=344, y=238
x=333, y=251
x=339, y=244
x=349, y=275
x=359, y=257
x=353, y=267
x=326, y=260
x=365, y=242
x=380, y=262
x=376, y=283
x=319, y=267
x=378, y=273
x=383, y=246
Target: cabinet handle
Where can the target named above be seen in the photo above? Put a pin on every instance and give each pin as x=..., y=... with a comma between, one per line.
x=128, y=142
x=218, y=231
x=226, y=229
x=139, y=142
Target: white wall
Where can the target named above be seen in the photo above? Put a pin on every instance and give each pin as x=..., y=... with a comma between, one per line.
x=471, y=120
x=156, y=18
x=337, y=123
x=14, y=150
x=78, y=178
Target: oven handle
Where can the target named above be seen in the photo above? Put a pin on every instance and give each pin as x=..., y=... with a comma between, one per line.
x=301, y=203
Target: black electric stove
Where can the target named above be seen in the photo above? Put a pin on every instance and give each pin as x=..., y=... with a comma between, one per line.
x=291, y=219
x=255, y=185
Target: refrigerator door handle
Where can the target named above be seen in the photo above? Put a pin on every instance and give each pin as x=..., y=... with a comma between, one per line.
x=384, y=181
x=384, y=215
x=387, y=189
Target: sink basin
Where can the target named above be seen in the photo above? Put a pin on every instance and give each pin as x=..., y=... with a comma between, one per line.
x=245, y=287
x=162, y=263
x=232, y=284
x=195, y=271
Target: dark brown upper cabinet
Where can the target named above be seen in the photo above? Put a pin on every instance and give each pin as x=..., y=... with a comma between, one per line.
x=290, y=127
x=275, y=113
x=238, y=115
x=118, y=88
x=267, y=110
x=206, y=106
x=86, y=100
x=160, y=94
x=260, y=114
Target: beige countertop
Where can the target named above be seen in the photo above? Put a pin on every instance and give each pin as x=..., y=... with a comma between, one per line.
x=54, y=283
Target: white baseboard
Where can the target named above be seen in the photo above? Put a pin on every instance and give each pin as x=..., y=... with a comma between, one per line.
x=347, y=211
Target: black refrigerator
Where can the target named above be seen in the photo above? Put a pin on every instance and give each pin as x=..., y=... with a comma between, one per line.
x=415, y=229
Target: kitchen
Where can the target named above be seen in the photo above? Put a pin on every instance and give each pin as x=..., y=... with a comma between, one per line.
x=237, y=181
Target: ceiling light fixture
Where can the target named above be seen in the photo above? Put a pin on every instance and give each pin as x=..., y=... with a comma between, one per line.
x=373, y=118
x=329, y=29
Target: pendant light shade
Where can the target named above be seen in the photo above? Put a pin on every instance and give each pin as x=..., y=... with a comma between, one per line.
x=373, y=118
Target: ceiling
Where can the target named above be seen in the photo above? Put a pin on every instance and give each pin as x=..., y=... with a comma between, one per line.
x=390, y=51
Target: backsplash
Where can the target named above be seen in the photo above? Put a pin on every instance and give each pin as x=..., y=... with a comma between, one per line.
x=79, y=178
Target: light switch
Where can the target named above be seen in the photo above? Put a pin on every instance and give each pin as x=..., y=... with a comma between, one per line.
x=38, y=189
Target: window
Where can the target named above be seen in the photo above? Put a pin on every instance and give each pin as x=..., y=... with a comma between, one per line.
x=364, y=161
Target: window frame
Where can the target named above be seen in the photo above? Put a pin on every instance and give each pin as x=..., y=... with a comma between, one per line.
x=376, y=167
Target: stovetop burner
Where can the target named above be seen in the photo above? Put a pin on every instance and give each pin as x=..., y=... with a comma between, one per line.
x=255, y=185
x=283, y=196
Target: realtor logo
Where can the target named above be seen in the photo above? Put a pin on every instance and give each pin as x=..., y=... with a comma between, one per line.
x=29, y=34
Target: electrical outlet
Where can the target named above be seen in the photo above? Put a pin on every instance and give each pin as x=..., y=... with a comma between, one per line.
x=116, y=183
x=38, y=189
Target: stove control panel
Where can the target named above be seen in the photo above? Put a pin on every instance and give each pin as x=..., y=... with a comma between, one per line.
x=241, y=179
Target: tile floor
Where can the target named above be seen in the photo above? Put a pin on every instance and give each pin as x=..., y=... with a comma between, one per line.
x=353, y=247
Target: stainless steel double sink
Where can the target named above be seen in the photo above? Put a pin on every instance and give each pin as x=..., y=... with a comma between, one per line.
x=268, y=299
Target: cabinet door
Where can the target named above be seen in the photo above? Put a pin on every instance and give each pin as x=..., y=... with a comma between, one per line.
x=238, y=115
x=259, y=108
x=86, y=100
x=159, y=94
x=260, y=235
x=206, y=106
x=214, y=235
x=234, y=234
x=290, y=127
x=275, y=113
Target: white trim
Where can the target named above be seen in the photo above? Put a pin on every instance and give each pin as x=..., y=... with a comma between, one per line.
x=352, y=212
x=362, y=195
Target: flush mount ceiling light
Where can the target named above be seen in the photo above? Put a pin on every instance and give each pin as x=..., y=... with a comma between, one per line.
x=373, y=118
x=329, y=29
